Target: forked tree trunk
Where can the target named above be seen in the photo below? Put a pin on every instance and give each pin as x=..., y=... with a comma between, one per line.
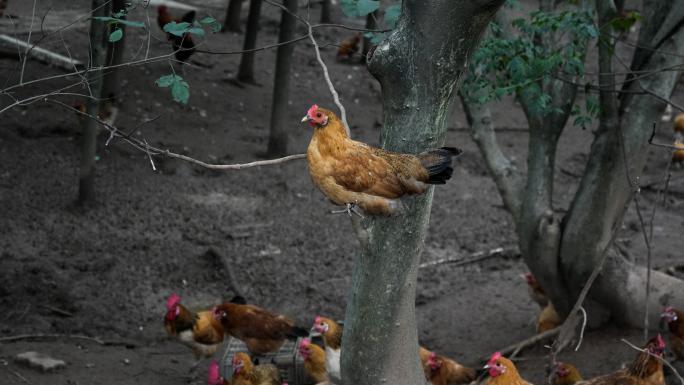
x=246, y=71
x=114, y=56
x=435, y=40
x=86, y=183
x=278, y=135
x=232, y=22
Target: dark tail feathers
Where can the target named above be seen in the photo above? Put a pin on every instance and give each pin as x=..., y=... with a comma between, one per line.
x=297, y=332
x=238, y=299
x=438, y=164
x=189, y=17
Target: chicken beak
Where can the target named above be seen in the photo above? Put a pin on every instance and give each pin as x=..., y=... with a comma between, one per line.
x=305, y=119
x=487, y=367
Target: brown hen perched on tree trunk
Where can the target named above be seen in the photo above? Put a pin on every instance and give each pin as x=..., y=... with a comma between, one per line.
x=353, y=173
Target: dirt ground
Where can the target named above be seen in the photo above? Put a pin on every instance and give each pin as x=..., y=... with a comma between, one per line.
x=105, y=273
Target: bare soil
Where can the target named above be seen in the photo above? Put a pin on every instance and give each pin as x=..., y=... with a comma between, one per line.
x=265, y=233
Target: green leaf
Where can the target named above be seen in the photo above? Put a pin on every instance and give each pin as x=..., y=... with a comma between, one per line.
x=216, y=27
x=115, y=36
x=208, y=20
x=165, y=81
x=354, y=8
x=391, y=15
x=177, y=29
x=180, y=91
x=111, y=20
x=197, y=31
x=197, y=24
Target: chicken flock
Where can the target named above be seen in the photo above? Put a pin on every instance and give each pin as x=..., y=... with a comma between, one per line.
x=263, y=331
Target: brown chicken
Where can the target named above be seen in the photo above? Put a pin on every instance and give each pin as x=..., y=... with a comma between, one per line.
x=444, y=371
x=215, y=375
x=183, y=46
x=349, y=47
x=565, y=374
x=424, y=357
x=678, y=155
x=199, y=332
x=675, y=324
x=503, y=372
x=108, y=111
x=352, y=173
x=314, y=361
x=246, y=373
x=261, y=330
x=679, y=126
x=331, y=332
x=535, y=291
x=548, y=319
x=645, y=370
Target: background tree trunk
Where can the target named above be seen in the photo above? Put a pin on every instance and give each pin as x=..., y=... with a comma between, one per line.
x=232, y=22
x=278, y=135
x=371, y=24
x=246, y=71
x=417, y=95
x=86, y=183
x=325, y=12
x=114, y=56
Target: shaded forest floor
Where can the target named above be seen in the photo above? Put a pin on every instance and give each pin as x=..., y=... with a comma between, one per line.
x=106, y=272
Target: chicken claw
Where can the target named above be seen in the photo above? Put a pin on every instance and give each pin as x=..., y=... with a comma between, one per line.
x=351, y=208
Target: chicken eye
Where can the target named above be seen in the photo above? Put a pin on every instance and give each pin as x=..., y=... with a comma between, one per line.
x=224, y=314
x=318, y=115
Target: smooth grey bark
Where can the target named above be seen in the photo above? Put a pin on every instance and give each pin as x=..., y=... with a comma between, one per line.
x=278, y=134
x=246, y=70
x=325, y=12
x=232, y=21
x=86, y=180
x=418, y=67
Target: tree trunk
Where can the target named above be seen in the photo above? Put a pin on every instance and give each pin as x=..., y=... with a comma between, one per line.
x=232, y=22
x=371, y=24
x=325, y=12
x=86, y=185
x=605, y=185
x=246, y=71
x=278, y=135
x=434, y=40
x=114, y=56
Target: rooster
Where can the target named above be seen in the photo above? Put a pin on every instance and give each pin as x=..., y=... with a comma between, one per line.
x=349, y=47
x=535, y=291
x=314, y=361
x=444, y=371
x=246, y=373
x=675, y=323
x=645, y=370
x=565, y=374
x=352, y=173
x=182, y=45
x=199, y=332
x=331, y=332
x=503, y=372
x=261, y=330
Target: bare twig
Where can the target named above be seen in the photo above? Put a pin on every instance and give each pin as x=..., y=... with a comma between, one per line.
x=517, y=347
x=153, y=151
x=664, y=361
x=18, y=375
x=584, y=325
x=27, y=336
x=458, y=261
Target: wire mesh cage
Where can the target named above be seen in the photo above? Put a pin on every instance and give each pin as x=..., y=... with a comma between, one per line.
x=287, y=359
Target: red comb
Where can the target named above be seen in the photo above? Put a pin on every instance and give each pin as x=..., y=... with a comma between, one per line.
x=214, y=375
x=305, y=342
x=660, y=342
x=432, y=355
x=529, y=277
x=495, y=357
x=668, y=309
x=311, y=110
x=173, y=300
x=319, y=317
